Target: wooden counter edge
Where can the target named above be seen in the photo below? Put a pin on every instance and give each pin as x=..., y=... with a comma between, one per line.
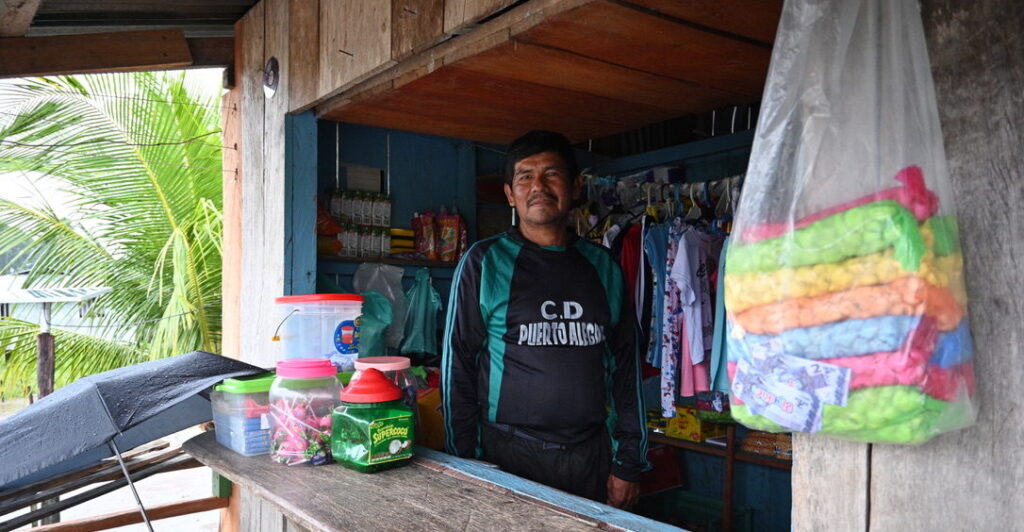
x=477, y=472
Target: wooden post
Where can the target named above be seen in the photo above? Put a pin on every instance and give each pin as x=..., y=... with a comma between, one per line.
x=45, y=362
x=730, y=467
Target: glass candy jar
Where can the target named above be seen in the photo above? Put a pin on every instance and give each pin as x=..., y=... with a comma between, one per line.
x=302, y=397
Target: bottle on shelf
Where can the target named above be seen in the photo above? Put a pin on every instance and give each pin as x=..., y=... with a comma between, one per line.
x=385, y=220
x=368, y=209
x=385, y=242
x=366, y=242
x=347, y=205
x=334, y=203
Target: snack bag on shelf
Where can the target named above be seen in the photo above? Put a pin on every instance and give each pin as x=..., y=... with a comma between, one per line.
x=424, y=227
x=447, y=236
x=844, y=289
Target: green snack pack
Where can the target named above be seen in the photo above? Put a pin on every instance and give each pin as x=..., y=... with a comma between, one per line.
x=855, y=232
x=946, y=233
x=373, y=429
x=886, y=414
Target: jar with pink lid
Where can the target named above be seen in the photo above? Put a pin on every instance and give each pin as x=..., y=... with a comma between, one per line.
x=398, y=370
x=302, y=397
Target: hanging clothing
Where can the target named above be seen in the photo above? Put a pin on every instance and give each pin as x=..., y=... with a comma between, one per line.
x=656, y=249
x=672, y=318
x=719, y=356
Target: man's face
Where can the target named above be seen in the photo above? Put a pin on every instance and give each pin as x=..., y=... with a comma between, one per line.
x=542, y=191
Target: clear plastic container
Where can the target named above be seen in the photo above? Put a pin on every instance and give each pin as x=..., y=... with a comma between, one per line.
x=240, y=408
x=396, y=369
x=302, y=398
x=373, y=429
x=321, y=326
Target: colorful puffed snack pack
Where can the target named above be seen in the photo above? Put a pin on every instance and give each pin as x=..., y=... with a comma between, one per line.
x=844, y=287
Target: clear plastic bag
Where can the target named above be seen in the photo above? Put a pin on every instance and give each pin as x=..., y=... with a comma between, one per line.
x=844, y=277
x=387, y=280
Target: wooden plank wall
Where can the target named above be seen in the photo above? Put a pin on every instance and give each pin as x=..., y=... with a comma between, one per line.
x=231, y=278
x=355, y=42
x=299, y=33
x=461, y=13
x=970, y=479
x=303, y=53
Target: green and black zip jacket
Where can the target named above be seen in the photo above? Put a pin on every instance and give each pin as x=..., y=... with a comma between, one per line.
x=541, y=337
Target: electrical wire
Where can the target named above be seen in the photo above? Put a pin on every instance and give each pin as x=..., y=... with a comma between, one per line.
x=129, y=133
x=115, y=142
x=140, y=99
x=126, y=324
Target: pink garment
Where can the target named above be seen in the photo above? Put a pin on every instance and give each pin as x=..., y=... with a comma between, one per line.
x=693, y=378
x=913, y=194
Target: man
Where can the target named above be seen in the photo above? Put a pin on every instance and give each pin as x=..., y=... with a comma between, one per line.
x=540, y=368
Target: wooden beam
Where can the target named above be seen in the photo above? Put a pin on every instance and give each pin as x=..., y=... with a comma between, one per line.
x=132, y=516
x=16, y=16
x=96, y=52
x=486, y=36
x=211, y=51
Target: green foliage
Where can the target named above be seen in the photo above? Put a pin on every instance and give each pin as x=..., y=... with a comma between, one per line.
x=139, y=157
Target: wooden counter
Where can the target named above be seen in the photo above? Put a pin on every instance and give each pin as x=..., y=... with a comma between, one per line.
x=435, y=492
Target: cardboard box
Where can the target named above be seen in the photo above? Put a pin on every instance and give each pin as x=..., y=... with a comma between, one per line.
x=687, y=426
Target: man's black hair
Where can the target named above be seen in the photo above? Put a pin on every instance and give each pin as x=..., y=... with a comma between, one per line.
x=539, y=141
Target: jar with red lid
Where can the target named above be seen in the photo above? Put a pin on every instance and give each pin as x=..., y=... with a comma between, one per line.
x=373, y=429
x=302, y=397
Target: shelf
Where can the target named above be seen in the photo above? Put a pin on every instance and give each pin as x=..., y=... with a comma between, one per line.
x=706, y=448
x=395, y=262
x=718, y=450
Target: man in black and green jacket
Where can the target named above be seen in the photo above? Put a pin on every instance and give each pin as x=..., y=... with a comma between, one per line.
x=540, y=366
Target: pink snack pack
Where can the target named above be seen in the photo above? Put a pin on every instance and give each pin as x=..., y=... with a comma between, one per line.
x=912, y=194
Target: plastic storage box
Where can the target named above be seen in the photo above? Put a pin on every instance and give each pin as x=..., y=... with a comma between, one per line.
x=240, y=408
x=321, y=326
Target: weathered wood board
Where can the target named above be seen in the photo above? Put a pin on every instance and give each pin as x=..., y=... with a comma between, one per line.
x=407, y=498
x=355, y=41
x=461, y=13
x=415, y=25
x=974, y=479
x=303, y=53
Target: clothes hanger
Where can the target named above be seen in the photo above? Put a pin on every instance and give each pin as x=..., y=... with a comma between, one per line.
x=695, y=212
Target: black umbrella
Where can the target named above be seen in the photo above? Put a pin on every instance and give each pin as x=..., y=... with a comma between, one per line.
x=92, y=418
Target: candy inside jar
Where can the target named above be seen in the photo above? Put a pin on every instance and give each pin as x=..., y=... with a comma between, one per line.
x=302, y=398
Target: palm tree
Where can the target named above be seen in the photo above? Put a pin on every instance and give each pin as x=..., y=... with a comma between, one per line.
x=138, y=157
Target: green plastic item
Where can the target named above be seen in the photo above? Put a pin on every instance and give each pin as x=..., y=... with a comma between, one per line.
x=222, y=487
x=370, y=437
x=257, y=384
x=423, y=304
x=377, y=317
x=855, y=232
x=946, y=232
x=886, y=414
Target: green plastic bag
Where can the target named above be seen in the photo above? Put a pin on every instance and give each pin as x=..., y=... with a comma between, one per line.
x=422, y=306
x=377, y=316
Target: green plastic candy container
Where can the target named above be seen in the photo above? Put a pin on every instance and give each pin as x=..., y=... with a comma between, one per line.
x=372, y=429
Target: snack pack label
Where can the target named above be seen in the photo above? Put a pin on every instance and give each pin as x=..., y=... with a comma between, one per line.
x=391, y=439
